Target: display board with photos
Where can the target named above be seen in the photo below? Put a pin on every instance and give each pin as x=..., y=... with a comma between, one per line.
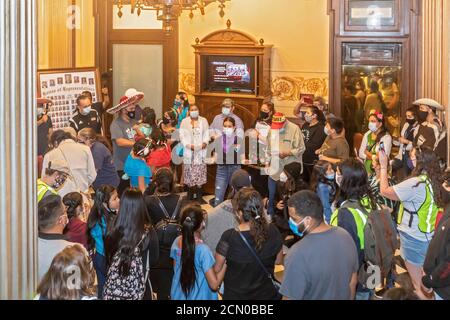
x=63, y=87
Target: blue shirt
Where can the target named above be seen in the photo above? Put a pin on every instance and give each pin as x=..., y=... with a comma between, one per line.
x=97, y=233
x=106, y=170
x=136, y=168
x=203, y=262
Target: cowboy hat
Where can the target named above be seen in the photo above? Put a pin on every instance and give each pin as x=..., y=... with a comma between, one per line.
x=131, y=97
x=430, y=103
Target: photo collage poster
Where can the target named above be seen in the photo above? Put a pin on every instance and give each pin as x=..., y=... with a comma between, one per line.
x=63, y=88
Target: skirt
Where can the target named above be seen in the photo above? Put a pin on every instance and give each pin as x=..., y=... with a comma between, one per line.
x=194, y=174
x=412, y=250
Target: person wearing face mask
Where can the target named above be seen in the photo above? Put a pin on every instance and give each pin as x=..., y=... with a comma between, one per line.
x=355, y=202
x=136, y=168
x=324, y=264
x=85, y=116
x=402, y=160
x=432, y=132
x=194, y=136
x=53, y=179
x=76, y=229
x=100, y=221
x=123, y=133
x=181, y=106
x=376, y=136
x=245, y=277
x=335, y=148
x=323, y=182
x=146, y=125
x=227, y=111
x=285, y=146
x=314, y=135
x=52, y=219
x=420, y=197
x=228, y=155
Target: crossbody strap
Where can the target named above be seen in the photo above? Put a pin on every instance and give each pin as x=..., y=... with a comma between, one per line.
x=255, y=255
x=161, y=205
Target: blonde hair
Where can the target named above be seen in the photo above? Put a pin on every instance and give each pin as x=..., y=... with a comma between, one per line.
x=55, y=283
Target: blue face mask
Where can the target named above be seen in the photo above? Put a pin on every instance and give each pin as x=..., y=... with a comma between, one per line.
x=330, y=177
x=146, y=131
x=226, y=111
x=294, y=227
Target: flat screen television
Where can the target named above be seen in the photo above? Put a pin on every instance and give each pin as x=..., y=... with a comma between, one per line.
x=229, y=74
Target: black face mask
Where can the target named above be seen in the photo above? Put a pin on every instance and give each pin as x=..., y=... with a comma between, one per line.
x=131, y=114
x=411, y=121
x=166, y=121
x=422, y=115
x=264, y=115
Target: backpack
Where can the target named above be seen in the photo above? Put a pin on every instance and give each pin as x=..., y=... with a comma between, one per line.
x=132, y=286
x=169, y=228
x=380, y=242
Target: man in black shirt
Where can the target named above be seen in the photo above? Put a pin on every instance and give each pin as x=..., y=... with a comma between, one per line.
x=99, y=106
x=85, y=116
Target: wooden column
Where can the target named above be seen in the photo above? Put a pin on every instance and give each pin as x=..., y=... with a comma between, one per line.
x=434, y=50
x=18, y=222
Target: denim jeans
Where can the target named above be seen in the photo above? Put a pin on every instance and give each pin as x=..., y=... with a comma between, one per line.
x=272, y=184
x=223, y=177
x=101, y=270
x=323, y=191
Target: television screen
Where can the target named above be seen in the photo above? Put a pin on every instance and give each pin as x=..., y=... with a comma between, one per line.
x=229, y=73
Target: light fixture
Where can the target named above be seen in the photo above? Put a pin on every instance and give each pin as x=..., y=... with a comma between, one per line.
x=169, y=10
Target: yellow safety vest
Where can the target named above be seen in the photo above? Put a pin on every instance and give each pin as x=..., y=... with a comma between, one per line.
x=360, y=219
x=427, y=212
x=42, y=189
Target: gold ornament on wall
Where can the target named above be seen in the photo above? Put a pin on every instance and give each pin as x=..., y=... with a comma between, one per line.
x=187, y=82
x=290, y=88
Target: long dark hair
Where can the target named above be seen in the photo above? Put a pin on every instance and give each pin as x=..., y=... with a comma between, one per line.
x=355, y=182
x=248, y=201
x=58, y=136
x=319, y=176
x=102, y=196
x=319, y=114
x=428, y=164
x=164, y=180
x=191, y=220
x=72, y=201
x=383, y=132
x=149, y=117
x=128, y=229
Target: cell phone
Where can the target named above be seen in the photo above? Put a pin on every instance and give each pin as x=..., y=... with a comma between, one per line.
x=382, y=146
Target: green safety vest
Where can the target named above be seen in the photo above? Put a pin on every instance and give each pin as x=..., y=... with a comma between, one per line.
x=42, y=189
x=427, y=212
x=368, y=162
x=359, y=216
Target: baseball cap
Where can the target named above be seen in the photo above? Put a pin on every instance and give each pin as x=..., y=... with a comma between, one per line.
x=278, y=121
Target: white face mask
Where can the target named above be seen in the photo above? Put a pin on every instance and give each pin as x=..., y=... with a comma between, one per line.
x=194, y=114
x=338, y=179
x=226, y=111
x=86, y=111
x=283, y=177
x=373, y=127
x=40, y=111
x=228, y=131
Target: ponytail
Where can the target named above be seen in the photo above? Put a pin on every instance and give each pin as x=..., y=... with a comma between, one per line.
x=72, y=201
x=191, y=220
x=249, y=202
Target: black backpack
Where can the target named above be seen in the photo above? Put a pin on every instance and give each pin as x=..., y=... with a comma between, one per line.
x=169, y=228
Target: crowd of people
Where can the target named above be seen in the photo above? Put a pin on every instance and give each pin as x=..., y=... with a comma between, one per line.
x=130, y=216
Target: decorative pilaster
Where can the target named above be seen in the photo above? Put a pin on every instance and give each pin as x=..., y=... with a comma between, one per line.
x=18, y=216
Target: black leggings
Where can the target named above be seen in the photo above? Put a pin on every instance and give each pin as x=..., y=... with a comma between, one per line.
x=123, y=185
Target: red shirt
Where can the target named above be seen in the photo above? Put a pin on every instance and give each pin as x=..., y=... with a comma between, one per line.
x=160, y=158
x=76, y=231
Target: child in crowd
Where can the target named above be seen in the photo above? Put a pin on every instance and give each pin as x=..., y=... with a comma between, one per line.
x=161, y=154
x=136, y=168
x=146, y=125
x=76, y=228
x=56, y=284
x=101, y=219
x=194, y=276
x=323, y=183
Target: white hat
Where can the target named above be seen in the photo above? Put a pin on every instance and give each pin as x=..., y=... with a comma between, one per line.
x=430, y=103
x=131, y=97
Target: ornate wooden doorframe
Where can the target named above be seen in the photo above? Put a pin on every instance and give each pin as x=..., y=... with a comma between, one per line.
x=106, y=36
